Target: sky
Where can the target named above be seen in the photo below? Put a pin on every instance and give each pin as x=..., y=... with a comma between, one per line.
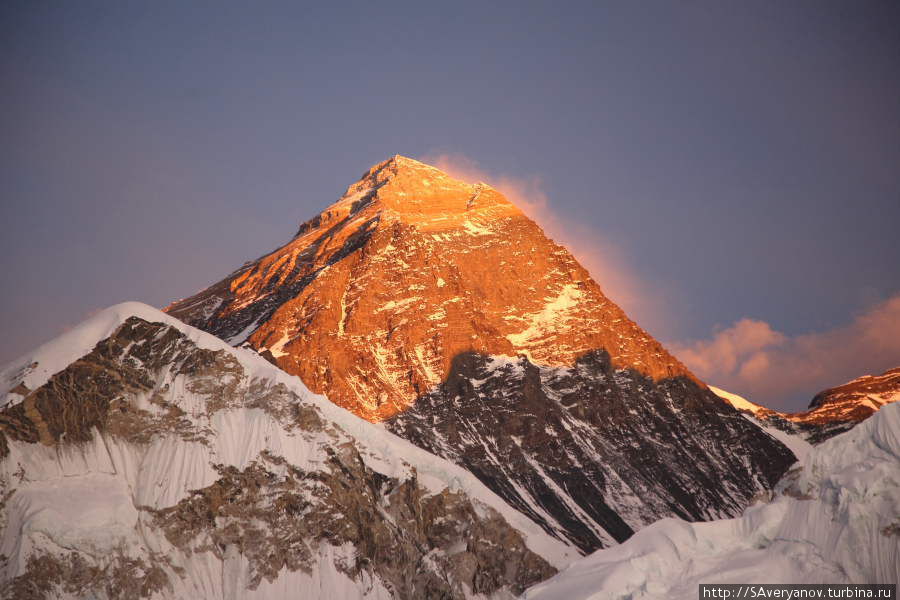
x=728, y=171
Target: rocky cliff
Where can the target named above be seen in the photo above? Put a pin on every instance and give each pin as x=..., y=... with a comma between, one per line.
x=590, y=452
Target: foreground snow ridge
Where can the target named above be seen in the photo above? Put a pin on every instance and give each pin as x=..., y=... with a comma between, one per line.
x=197, y=421
x=835, y=518
x=394, y=454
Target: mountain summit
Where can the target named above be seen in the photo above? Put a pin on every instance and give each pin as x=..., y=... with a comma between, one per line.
x=373, y=299
x=406, y=190
x=438, y=308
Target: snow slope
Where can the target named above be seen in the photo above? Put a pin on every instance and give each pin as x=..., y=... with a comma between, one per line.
x=739, y=402
x=34, y=368
x=834, y=519
x=103, y=497
x=794, y=442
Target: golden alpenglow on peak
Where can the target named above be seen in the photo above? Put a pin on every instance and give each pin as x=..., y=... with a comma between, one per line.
x=374, y=298
x=410, y=191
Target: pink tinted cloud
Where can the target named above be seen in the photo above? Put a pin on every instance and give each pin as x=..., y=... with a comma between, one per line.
x=604, y=260
x=784, y=372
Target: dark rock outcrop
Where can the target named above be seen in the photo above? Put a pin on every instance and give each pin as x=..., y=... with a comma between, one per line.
x=590, y=452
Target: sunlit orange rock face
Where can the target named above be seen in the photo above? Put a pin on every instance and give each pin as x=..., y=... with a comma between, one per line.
x=831, y=411
x=852, y=402
x=374, y=297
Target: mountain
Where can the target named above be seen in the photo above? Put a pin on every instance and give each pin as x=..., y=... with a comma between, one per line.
x=832, y=411
x=438, y=308
x=832, y=519
x=142, y=458
x=854, y=401
x=373, y=299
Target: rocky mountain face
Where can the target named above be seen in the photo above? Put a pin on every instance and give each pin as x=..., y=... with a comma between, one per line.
x=141, y=458
x=833, y=518
x=374, y=298
x=831, y=411
x=590, y=452
x=856, y=400
x=438, y=307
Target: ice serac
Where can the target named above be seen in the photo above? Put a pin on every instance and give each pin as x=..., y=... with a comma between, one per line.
x=142, y=458
x=438, y=307
x=835, y=519
x=831, y=411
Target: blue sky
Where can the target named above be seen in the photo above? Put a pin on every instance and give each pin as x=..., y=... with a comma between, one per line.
x=731, y=161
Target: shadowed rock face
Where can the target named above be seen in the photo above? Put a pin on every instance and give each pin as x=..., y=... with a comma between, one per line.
x=373, y=298
x=833, y=517
x=150, y=393
x=590, y=452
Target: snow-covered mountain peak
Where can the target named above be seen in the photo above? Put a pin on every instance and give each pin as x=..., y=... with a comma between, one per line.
x=59, y=354
x=168, y=464
x=860, y=397
x=32, y=370
x=405, y=190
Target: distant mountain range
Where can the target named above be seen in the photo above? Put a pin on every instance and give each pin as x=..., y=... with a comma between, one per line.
x=832, y=411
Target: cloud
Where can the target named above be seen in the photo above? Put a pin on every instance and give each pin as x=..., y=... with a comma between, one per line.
x=784, y=372
x=604, y=260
